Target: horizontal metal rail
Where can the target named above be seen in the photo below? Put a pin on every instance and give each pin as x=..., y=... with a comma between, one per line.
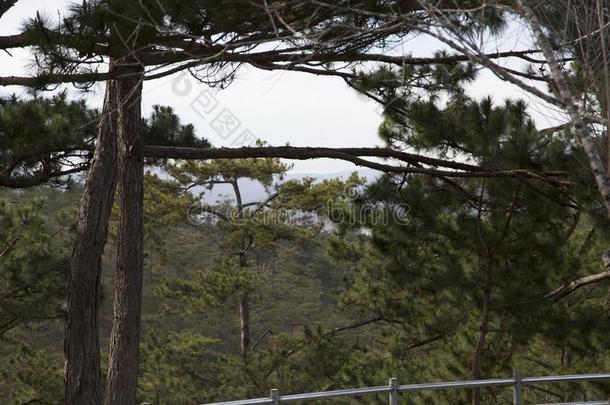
x=393, y=389
x=499, y=382
x=579, y=403
x=565, y=378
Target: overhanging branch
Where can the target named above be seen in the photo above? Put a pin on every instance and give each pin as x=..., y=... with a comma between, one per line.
x=37, y=179
x=353, y=155
x=405, y=163
x=268, y=60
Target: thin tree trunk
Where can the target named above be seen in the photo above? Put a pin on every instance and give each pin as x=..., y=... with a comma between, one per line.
x=567, y=363
x=244, y=304
x=81, y=345
x=125, y=335
x=483, y=328
x=244, y=320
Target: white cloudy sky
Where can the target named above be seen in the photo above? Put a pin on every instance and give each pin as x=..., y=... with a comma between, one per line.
x=278, y=107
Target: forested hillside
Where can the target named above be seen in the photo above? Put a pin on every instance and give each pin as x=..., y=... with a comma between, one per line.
x=146, y=261
x=342, y=308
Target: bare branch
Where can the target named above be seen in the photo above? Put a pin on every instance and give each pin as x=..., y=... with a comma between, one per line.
x=571, y=286
x=357, y=324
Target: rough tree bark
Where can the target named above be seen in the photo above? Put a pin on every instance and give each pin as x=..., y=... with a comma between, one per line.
x=81, y=345
x=125, y=335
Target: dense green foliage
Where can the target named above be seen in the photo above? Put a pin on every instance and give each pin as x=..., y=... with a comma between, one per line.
x=451, y=288
x=35, y=236
x=473, y=265
x=419, y=278
x=50, y=140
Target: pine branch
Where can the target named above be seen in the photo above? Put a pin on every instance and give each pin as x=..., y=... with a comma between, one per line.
x=41, y=81
x=37, y=179
x=438, y=167
x=353, y=155
x=268, y=60
x=260, y=338
x=5, y=5
x=357, y=324
x=223, y=54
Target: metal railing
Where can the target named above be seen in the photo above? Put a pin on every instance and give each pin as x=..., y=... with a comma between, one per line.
x=393, y=389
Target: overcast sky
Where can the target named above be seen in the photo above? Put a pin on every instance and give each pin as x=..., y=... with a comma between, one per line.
x=278, y=107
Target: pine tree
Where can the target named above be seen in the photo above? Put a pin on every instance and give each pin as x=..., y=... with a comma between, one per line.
x=213, y=38
x=44, y=140
x=246, y=227
x=32, y=265
x=473, y=265
x=50, y=141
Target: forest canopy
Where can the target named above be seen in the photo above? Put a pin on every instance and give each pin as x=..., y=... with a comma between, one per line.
x=469, y=242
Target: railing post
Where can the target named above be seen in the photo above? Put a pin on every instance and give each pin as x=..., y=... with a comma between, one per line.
x=393, y=397
x=517, y=398
x=275, y=396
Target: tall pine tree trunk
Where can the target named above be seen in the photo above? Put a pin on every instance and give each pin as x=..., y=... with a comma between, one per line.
x=244, y=304
x=244, y=311
x=244, y=321
x=81, y=345
x=125, y=335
